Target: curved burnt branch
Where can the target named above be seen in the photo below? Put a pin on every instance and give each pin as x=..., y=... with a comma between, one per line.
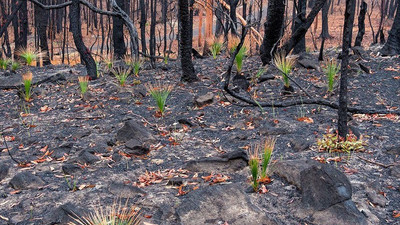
x=282, y=104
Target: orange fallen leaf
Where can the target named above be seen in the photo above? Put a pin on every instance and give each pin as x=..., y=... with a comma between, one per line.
x=181, y=191
x=396, y=78
x=45, y=108
x=44, y=149
x=305, y=119
x=396, y=214
x=9, y=138
x=208, y=178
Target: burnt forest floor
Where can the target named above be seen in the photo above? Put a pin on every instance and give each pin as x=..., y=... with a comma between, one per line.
x=59, y=129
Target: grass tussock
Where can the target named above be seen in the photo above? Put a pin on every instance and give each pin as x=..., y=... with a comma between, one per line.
x=116, y=214
x=159, y=92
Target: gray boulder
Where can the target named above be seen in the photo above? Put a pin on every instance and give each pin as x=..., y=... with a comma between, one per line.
x=219, y=204
x=26, y=180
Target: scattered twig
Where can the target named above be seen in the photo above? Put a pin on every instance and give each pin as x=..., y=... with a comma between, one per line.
x=8, y=149
x=4, y=218
x=377, y=163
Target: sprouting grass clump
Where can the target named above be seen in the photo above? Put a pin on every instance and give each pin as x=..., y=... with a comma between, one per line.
x=215, y=46
x=233, y=42
x=159, y=92
x=116, y=214
x=331, y=69
x=109, y=63
x=15, y=66
x=30, y=55
x=239, y=58
x=285, y=65
x=253, y=164
x=332, y=142
x=27, y=82
x=269, y=145
x=136, y=67
x=121, y=73
x=4, y=63
x=83, y=84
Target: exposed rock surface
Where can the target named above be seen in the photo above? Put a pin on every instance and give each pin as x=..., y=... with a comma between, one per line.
x=203, y=100
x=26, y=180
x=3, y=171
x=220, y=204
x=228, y=162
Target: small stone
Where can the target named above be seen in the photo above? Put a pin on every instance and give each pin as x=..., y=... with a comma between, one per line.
x=376, y=198
x=26, y=180
x=300, y=145
x=116, y=157
x=70, y=169
x=308, y=64
x=204, y=99
x=134, y=147
x=125, y=191
x=175, y=181
x=3, y=171
x=134, y=130
x=87, y=157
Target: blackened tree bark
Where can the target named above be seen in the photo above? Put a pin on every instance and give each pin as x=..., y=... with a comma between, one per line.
x=143, y=21
x=347, y=31
x=219, y=23
x=84, y=52
x=153, y=11
x=272, y=29
x=302, y=30
x=325, y=23
x=233, y=5
x=300, y=18
x=392, y=46
x=23, y=29
x=41, y=20
x=185, y=42
x=393, y=5
x=361, y=24
x=118, y=33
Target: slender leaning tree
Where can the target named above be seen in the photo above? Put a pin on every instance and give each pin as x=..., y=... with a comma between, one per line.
x=185, y=42
x=392, y=46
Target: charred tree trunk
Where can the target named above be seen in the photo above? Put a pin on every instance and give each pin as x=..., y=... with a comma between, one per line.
x=118, y=34
x=153, y=7
x=347, y=31
x=75, y=23
x=302, y=30
x=143, y=21
x=392, y=46
x=185, y=42
x=361, y=24
x=41, y=19
x=393, y=5
x=233, y=5
x=23, y=25
x=300, y=18
x=272, y=29
x=219, y=23
x=325, y=24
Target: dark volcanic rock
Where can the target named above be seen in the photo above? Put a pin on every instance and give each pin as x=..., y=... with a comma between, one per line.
x=204, y=99
x=300, y=145
x=290, y=170
x=240, y=82
x=125, y=191
x=135, y=147
x=227, y=163
x=308, y=64
x=64, y=214
x=87, y=157
x=62, y=150
x=219, y=204
x=134, y=130
x=376, y=198
x=344, y=213
x=70, y=169
x=323, y=186
x=3, y=171
x=26, y=180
